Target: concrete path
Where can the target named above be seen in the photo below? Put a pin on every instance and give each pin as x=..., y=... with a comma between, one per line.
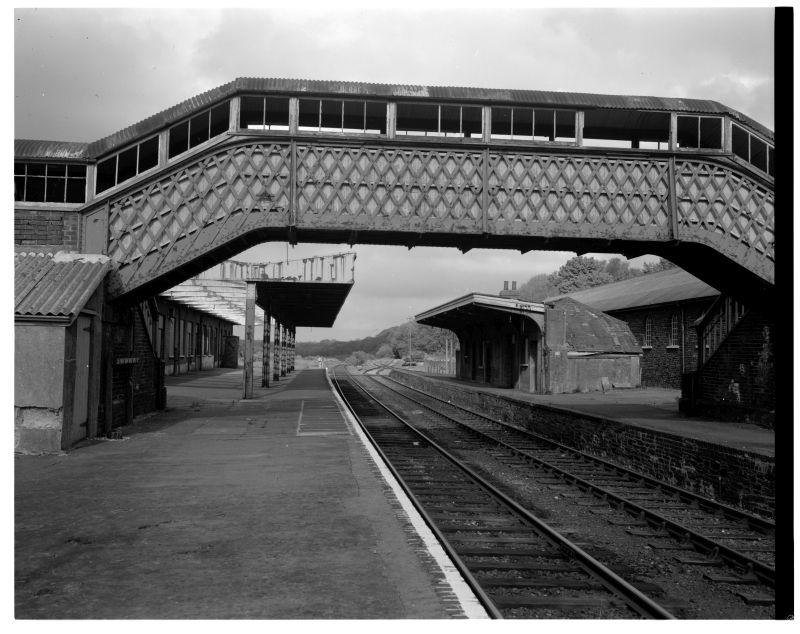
x=220, y=509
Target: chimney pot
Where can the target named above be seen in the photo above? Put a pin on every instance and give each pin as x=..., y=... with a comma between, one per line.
x=514, y=285
x=505, y=285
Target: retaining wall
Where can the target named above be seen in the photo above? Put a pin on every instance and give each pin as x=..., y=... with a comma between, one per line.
x=735, y=477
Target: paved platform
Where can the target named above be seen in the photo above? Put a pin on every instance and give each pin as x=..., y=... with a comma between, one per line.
x=652, y=408
x=220, y=508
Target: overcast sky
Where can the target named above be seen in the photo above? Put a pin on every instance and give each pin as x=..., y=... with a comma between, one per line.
x=82, y=74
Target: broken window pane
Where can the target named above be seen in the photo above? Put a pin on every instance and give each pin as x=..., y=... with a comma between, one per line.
x=450, y=120
x=417, y=118
x=331, y=115
x=688, y=132
x=711, y=133
x=353, y=119
x=758, y=153
x=565, y=125
x=126, y=165
x=376, y=117
x=276, y=115
x=198, y=129
x=501, y=122
x=544, y=125
x=523, y=123
x=219, y=116
x=178, y=139
x=740, y=142
x=472, y=121
x=148, y=154
x=251, y=113
x=309, y=114
x=106, y=175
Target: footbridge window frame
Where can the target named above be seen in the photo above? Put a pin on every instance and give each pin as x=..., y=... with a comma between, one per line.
x=214, y=128
x=52, y=180
x=152, y=163
x=435, y=125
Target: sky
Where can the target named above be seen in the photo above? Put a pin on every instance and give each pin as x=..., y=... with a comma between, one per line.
x=81, y=74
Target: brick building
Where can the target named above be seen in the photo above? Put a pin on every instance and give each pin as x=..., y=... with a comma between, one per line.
x=661, y=310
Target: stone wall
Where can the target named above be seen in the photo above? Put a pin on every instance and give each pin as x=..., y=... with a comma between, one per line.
x=738, y=478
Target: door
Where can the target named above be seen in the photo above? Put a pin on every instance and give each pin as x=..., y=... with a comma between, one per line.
x=80, y=402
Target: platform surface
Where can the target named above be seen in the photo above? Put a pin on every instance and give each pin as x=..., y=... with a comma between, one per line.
x=652, y=408
x=220, y=508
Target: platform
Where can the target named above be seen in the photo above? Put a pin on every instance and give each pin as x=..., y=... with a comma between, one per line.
x=220, y=508
x=652, y=408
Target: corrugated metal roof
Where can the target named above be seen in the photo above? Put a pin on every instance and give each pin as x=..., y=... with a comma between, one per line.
x=664, y=287
x=61, y=150
x=55, y=286
x=590, y=330
x=410, y=92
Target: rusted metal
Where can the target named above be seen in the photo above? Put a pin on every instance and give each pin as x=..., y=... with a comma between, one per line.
x=50, y=150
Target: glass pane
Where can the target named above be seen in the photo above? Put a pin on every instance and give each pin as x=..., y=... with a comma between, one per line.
x=19, y=188
x=220, y=116
x=771, y=156
x=178, y=139
x=758, y=153
x=417, y=117
x=34, y=189
x=76, y=171
x=148, y=154
x=126, y=167
x=198, y=129
x=19, y=169
x=55, y=169
x=251, y=113
x=354, y=116
x=309, y=114
x=277, y=115
x=55, y=190
x=76, y=190
x=331, y=115
x=687, y=132
x=376, y=117
x=501, y=121
x=106, y=174
x=36, y=169
x=740, y=142
x=711, y=133
x=544, y=124
x=450, y=119
x=472, y=121
x=523, y=123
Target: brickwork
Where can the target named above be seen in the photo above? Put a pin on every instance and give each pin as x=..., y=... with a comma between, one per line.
x=39, y=227
x=662, y=363
x=739, y=478
x=739, y=379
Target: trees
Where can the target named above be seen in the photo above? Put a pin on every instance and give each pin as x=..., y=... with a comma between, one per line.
x=578, y=273
x=655, y=267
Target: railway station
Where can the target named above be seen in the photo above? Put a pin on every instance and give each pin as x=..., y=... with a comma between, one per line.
x=227, y=483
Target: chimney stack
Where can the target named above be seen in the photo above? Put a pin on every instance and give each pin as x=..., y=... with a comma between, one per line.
x=506, y=292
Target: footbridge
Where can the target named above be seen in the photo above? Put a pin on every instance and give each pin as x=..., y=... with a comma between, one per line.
x=262, y=160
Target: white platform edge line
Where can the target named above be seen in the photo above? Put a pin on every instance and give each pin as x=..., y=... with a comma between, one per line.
x=469, y=603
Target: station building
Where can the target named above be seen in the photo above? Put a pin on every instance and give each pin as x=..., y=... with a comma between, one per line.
x=561, y=347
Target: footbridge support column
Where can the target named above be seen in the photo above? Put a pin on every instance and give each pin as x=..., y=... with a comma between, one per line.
x=276, y=365
x=249, y=344
x=265, y=369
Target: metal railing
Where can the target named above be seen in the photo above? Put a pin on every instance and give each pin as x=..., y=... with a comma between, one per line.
x=339, y=267
x=716, y=324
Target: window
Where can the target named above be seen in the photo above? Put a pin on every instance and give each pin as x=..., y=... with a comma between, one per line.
x=49, y=182
x=264, y=113
x=675, y=330
x=626, y=129
x=647, y=338
x=199, y=129
x=699, y=133
x=428, y=119
x=125, y=165
x=533, y=124
x=336, y=115
x=753, y=149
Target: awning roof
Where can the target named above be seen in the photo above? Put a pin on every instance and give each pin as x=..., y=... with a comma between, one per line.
x=301, y=304
x=465, y=309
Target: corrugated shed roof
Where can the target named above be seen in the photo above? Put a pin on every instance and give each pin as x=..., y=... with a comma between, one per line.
x=664, y=287
x=589, y=330
x=56, y=150
x=55, y=286
x=409, y=92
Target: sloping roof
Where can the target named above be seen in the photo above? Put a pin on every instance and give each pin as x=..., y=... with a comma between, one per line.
x=496, y=302
x=55, y=287
x=390, y=91
x=55, y=150
x=589, y=330
x=664, y=287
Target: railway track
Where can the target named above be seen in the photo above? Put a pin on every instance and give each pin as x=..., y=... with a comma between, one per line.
x=518, y=566
x=720, y=533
